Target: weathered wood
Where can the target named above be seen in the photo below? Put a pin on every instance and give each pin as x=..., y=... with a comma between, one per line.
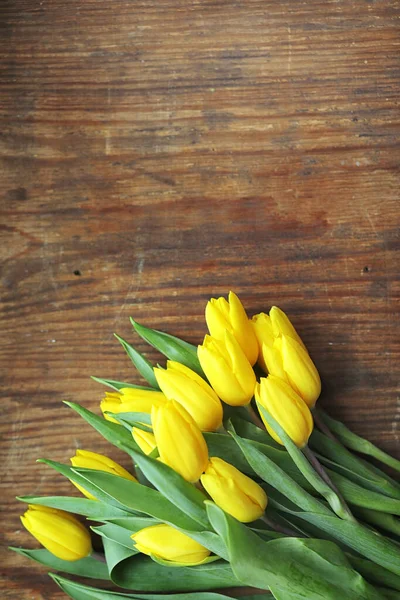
x=156, y=153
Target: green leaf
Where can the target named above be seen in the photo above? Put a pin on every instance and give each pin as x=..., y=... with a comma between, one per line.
x=93, y=509
x=134, y=523
x=225, y=447
x=173, y=486
x=116, y=554
x=357, y=443
x=96, y=491
x=117, y=534
x=78, y=591
x=382, y=520
x=119, y=385
x=291, y=568
x=136, y=497
x=171, y=346
x=352, y=467
x=334, y=500
x=144, y=366
x=352, y=534
x=374, y=573
x=273, y=474
x=143, y=574
x=359, y=496
x=113, y=433
x=133, y=419
x=85, y=567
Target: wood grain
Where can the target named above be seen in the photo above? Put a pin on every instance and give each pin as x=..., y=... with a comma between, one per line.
x=157, y=153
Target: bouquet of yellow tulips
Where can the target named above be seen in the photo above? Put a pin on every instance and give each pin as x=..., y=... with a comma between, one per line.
x=232, y=486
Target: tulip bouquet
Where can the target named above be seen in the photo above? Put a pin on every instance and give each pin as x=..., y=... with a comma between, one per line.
x=239, y=480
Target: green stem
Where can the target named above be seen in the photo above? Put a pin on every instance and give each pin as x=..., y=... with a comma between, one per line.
x=279, y=528
x=357, y=443
x=254, y=417
x=346, y=512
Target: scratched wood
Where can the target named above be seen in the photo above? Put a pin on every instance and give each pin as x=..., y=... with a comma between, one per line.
x=156, y=153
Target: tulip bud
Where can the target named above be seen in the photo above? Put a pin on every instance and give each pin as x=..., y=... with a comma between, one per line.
x=297, y=366
x=281, y=325
x=234, y=492
x=189, y=389
x=92, y=460
x=130, y=400
x=167, y=543
x=180, y=443
x=263, y=329
x=58, y=531
x=286, y=407
x=227, y=369
x=284, y=355
x=230, y=315
x=144, y=439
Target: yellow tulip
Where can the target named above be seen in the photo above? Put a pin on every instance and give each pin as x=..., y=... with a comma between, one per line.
x=234, y=492
x=230, y=315
x=58, y=531
x=167, y=543
x=281, y=325
x=283, y=354
x=189, y=389
x=263, y=329
x=289, y=360
x=227, y=369
x=130, y=400
x=92, y=460
x=144, y=439
x=180, y=443
x=286, y=407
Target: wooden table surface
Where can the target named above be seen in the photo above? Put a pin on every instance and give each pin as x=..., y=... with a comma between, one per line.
x=157, y=153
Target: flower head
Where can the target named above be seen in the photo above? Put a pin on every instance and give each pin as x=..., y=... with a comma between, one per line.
x=234, y=492
x=166, y=542
x=286, y=407
x=58, y=531
x=230, y=315
x=130, y=400
x=227, y=369
x=180, y=383
x=180, y=443
x=92, y=460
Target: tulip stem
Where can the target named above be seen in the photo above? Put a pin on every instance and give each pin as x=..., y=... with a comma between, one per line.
x=254, y=417
x=98, y=556
x=322, y=426
x=279, y=528
x=324, y=475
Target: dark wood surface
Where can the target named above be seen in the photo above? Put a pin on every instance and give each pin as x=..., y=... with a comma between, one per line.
x=157, y=153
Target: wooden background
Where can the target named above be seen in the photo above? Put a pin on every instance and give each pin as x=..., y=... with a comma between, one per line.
x=156, y=153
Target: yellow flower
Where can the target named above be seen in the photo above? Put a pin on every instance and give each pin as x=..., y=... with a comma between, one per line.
x=130, y=400
x=92, y=460
x=180, y=443
x=281, y=325
x=189, y=389
x=144, y=439
x=263, y=329
x=227, y=369
x=234, y=492
x=286, y=407
x=58, y=531
x=299, y=369
x=167, y=543
x=230, y=315
x=283, y=354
